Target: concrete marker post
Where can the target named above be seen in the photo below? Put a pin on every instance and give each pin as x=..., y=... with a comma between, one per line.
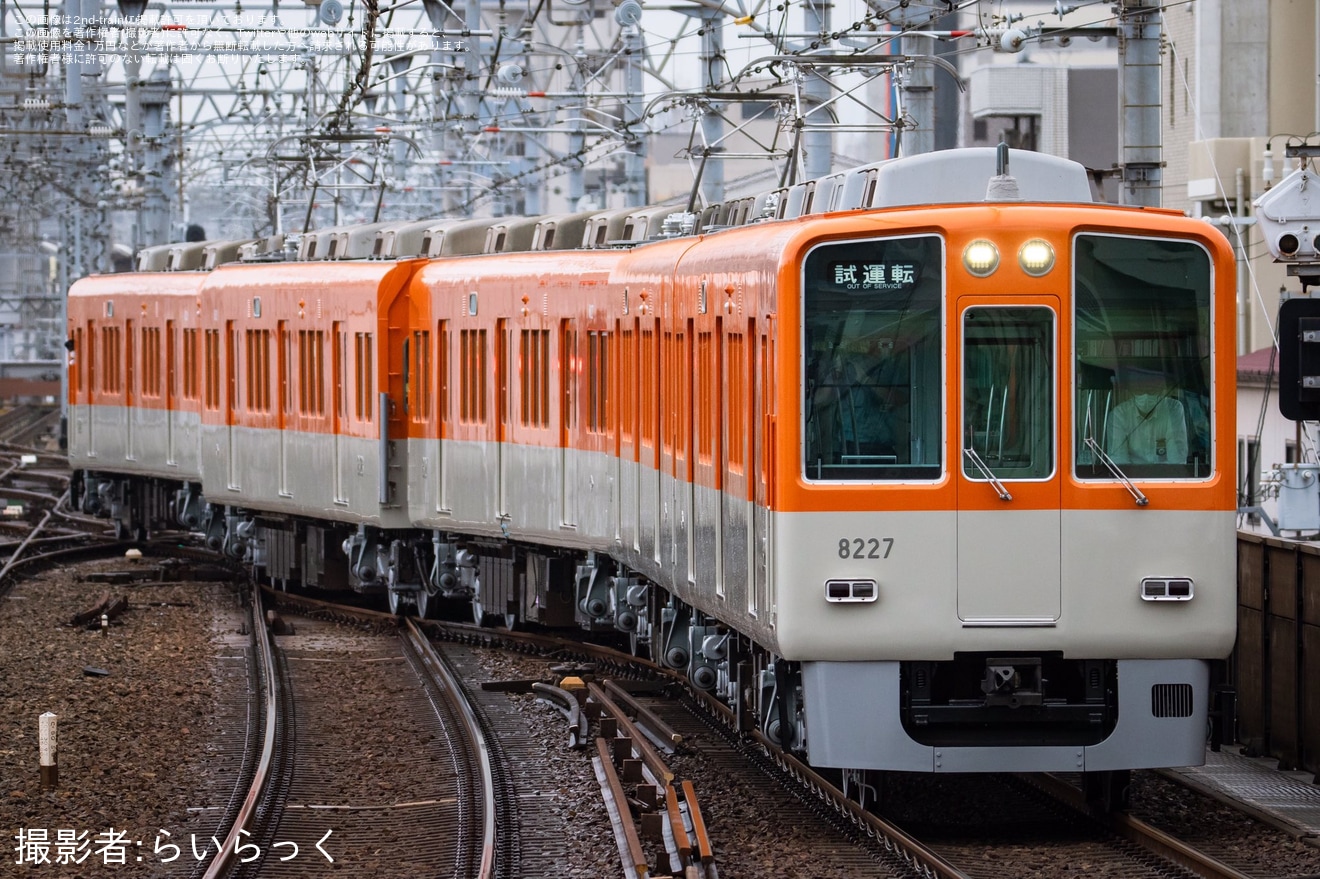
x=50, y=770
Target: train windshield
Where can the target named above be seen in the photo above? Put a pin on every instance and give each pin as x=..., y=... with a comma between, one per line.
x=1008, y=393
x=872, y=368
x=1143, y=358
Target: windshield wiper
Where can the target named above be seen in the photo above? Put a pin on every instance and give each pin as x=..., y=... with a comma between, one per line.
x=990, y=477
x=1122, y=477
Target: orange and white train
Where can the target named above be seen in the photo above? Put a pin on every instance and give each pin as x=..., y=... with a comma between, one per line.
x=921, y=467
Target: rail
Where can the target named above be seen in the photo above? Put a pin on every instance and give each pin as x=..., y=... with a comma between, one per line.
x=1139, y=832
x=221, y=863
x=476, y=736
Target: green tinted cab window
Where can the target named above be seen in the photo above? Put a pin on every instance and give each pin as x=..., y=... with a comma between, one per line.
x=872, y=374
x=1143, y=393
x=1008, y=392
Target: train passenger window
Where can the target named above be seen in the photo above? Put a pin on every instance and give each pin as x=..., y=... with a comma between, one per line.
x=1143, y=368
x=311, y=372
x=364, y=384
x=151, y=361
x=422, y=394
x=1008, y=392
x=872, y=374
x=192, y=386
x=212, y=355
x=534, y=373
x=110, y=378
x=472, y=376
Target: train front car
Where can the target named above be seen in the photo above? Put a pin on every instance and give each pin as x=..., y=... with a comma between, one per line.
x=1005, y=542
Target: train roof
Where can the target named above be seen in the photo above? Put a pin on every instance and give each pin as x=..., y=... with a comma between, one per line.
x=962, y=176
x=958, y=176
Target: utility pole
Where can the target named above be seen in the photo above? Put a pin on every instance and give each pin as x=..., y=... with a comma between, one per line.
x=1140, y=147
x=918, y=90
x=817, y=139
x=628, y=16
x=712, y=123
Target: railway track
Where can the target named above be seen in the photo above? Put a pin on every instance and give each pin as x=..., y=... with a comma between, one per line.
x=370, y=759
x=807, y=817
x=27, y=424
x=877, y=847
x=1116, y=845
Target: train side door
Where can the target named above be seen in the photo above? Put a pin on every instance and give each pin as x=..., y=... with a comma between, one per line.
x=400, y=405
x=87, y=367
x=569, y=368
x=501, y=416
x=130, y=375
x=444, y=426
x=231, y=402
x=1008, y=462
x=710, y=465
x=629, y=482
x=684, y=474
x=171, y=393
x=736, y=434
x=763, y=444
x=339, y=405
x=284, y=356
x=649, y=492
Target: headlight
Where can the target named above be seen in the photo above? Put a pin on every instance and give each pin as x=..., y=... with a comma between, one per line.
x=1036, y=257
x=981, y=258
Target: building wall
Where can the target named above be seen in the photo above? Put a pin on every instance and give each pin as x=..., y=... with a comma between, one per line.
x=1293, y=39
x=1178, y=80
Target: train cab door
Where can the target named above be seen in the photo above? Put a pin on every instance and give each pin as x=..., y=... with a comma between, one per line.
x=1008, y=473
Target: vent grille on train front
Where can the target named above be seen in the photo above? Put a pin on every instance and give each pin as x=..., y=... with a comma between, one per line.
x=1171, y=700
